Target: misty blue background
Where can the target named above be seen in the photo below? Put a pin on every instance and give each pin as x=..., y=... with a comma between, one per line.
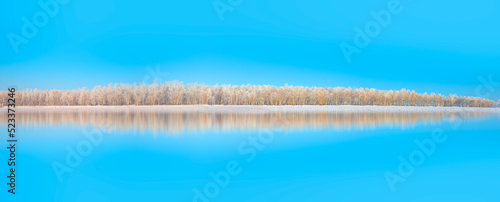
x=431, y=46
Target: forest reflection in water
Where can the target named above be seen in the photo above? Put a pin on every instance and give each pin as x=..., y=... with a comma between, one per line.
x=179, y=122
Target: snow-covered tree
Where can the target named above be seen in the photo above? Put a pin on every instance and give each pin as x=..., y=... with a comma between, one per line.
x=176, y=93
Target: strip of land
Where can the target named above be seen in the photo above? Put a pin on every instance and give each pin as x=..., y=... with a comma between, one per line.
x=254, y=108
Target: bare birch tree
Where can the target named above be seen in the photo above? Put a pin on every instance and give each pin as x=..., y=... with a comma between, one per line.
x=176, y=93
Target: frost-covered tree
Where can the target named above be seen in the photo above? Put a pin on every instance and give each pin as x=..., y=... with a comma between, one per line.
x=176, y=93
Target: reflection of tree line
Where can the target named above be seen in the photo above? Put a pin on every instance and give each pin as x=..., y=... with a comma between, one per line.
x=177, y=122
x=176, y=93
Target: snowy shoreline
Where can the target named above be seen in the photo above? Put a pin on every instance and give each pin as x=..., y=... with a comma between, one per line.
x=254, y=108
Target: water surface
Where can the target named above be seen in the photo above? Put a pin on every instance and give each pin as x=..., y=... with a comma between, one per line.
x=139, y=156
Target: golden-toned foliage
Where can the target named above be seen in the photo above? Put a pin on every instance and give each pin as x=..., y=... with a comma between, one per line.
x=176, y=93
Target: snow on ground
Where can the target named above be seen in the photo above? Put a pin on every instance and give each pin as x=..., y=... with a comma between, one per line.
x=255, y=108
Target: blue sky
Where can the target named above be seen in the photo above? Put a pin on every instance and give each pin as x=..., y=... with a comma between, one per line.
x=429, y=46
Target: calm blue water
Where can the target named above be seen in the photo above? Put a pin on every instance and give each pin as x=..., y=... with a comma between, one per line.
x=270, y=165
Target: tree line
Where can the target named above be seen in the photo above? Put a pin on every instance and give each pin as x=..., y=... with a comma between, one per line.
x=176, y=93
